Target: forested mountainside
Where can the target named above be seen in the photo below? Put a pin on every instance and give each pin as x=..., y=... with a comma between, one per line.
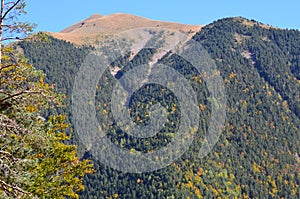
x=257, y=155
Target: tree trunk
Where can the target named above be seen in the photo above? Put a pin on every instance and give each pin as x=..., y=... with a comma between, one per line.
x=1, y=29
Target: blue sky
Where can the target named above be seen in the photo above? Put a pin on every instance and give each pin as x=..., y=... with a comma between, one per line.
x=55, y=15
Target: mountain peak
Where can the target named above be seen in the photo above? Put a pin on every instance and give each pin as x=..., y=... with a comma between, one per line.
x=98, y=26
x=94, y=16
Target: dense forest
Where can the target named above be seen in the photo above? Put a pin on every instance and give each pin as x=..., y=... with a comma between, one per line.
x=257, y=155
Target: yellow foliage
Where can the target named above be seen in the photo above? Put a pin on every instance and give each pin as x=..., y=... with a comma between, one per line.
x=104, y=111
x=198, y=193
x=232, y=75
x=173, y=108
x=202, y=107
x=189, y=184
x=30, y=108
x=246, y=90
x=256, y=168
x=41, y=80
x=294, y=192
x=216, y=193
x=217, y=72
x=285, y=104
x=132, y=150
x=200, y=172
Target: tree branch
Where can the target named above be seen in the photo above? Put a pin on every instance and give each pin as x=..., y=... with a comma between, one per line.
x=15, y=189
x=11, y=125
x=17, y=94
x=11, y=38
x=10, y=9
x=6, y=66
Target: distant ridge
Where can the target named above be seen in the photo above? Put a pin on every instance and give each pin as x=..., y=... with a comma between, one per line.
x=79, y=24
x=98, y=26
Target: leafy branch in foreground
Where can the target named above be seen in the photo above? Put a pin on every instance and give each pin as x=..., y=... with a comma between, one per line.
x=34, y=157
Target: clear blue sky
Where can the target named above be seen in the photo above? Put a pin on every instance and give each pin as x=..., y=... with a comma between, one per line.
x=55, y=15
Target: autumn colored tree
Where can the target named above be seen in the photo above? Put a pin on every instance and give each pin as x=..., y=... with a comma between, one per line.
x=35, y=160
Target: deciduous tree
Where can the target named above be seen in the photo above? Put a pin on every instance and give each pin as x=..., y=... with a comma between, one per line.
x=35, y=160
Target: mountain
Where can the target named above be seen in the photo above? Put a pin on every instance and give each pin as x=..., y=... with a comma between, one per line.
x=97, y=26
x=257, y=154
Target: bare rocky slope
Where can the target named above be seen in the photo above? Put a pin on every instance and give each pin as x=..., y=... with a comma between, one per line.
x=97, y=27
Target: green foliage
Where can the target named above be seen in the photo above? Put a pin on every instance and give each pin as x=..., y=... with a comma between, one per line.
x=35, y=161
x=59, y=171
x=257, y=154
